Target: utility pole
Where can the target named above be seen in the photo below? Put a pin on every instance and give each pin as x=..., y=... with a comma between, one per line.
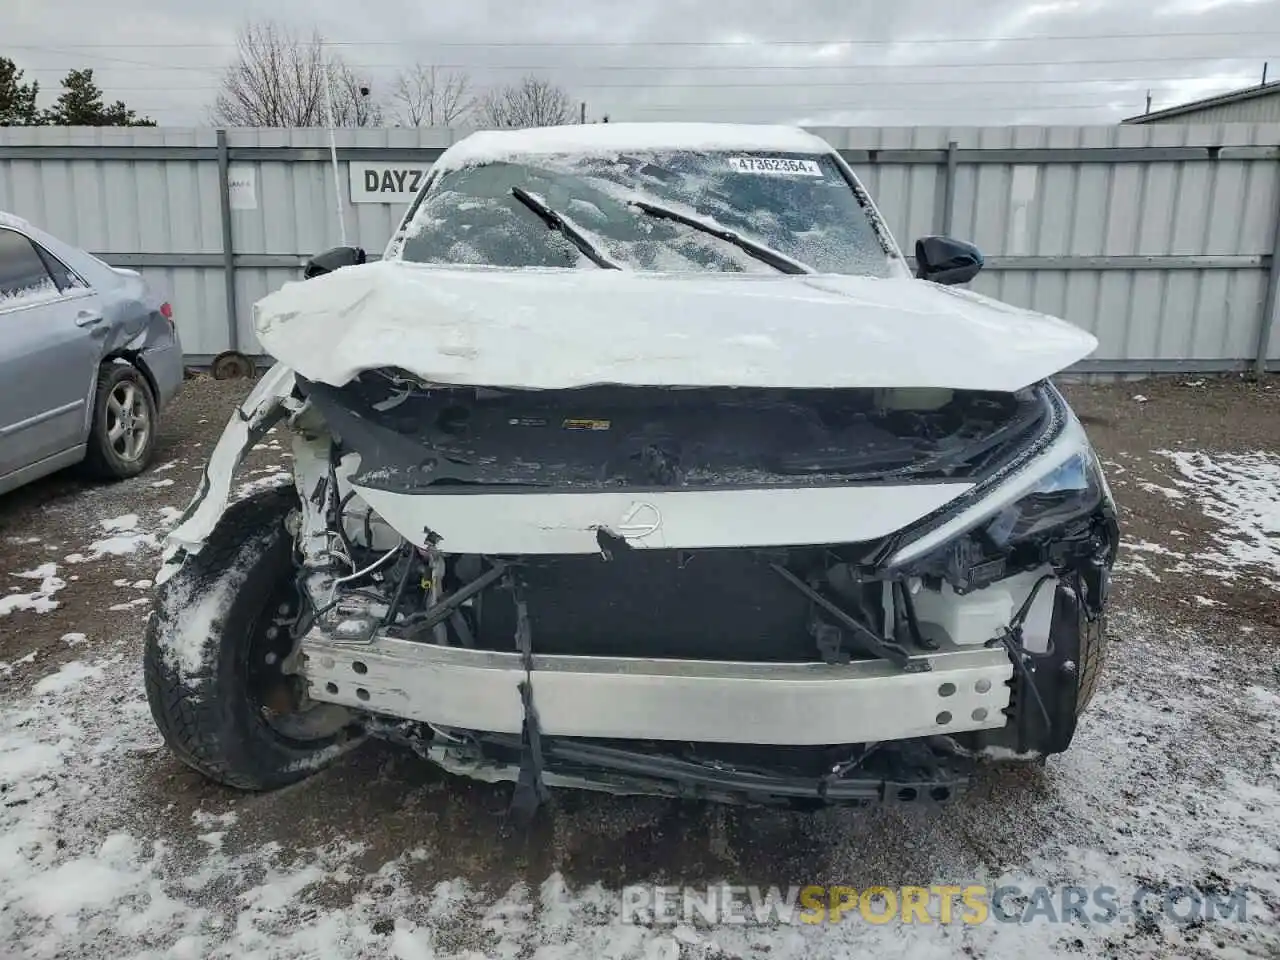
x=333, y=152
x=1264, y=72
x=582, y=112
x=1148, y=110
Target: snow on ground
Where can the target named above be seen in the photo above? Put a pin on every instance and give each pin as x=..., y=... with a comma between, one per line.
x=1241, y=492
x=1146, y=795
x=126, y=539
x=39, y=600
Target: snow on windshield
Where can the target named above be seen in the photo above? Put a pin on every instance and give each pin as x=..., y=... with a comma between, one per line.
x=799, y=205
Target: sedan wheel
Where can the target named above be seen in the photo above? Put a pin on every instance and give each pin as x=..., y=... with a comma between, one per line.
x=124, y=423
x=128, y=421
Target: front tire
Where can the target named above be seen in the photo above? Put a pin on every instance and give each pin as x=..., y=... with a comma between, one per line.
x=214, y=648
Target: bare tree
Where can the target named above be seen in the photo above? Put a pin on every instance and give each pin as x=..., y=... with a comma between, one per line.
x=353, y=102
x=278, y=80
x=533, y=102
x=428, y=97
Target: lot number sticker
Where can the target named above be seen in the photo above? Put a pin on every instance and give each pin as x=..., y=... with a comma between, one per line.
x=776, y=165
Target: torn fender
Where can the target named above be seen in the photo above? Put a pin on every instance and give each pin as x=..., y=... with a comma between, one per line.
x=267, y=403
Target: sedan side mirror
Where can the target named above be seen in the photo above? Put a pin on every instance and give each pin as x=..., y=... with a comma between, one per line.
x=947, y=261
x=332, y=260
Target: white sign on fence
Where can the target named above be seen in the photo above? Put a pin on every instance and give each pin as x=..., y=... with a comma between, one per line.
x=242, y=185
x=386, y=182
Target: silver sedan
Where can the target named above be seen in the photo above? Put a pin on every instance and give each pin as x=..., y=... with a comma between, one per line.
x=89, y=356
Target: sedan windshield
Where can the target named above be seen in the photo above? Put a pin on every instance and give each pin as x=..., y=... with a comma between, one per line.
x=672, y=211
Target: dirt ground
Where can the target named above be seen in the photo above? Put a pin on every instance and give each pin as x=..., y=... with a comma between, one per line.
x=1195, y=631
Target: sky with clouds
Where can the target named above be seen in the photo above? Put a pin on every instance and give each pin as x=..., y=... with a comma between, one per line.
x=875, y=62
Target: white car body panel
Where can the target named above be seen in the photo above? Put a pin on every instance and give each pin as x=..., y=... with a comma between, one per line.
x=562, y=523
x=211, y=498
x=559, y=329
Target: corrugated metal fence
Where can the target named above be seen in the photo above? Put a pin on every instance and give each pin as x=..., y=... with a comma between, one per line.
x=1162, y=240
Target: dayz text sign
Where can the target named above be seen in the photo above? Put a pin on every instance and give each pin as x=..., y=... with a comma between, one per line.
x=386, y=182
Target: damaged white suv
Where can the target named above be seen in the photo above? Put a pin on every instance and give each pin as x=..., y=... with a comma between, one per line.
x=642, y=463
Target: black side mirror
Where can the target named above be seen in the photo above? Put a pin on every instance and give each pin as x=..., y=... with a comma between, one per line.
x=332, y=260
x=947, y=261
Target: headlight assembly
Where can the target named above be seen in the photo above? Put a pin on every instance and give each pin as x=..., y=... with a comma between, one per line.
x=1063, y=481
x=1072, y=489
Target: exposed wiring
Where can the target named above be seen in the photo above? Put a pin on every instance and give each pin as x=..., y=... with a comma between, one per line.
x=364, y=572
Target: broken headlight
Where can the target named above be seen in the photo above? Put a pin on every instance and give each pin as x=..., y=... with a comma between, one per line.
x=1062, y=481
x=1070, y=490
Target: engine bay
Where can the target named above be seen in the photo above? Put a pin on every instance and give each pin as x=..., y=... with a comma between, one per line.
x=413, y=437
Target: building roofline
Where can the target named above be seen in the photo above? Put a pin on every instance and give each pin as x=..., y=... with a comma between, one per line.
x=1248, y=93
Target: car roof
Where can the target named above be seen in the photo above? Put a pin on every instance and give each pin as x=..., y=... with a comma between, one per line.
x=97, y=273
x=487, y=146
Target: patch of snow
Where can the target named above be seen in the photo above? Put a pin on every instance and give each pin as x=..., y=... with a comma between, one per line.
x=73, y=639
x=29, y=296
x=164, y=483
x=169, y=516
x=117, y=546
x=129, y=605
x=69, y=675
x=489, y=146
x=128, y=521
x=39, y=600
x=1169, y=492
x=1139, y=398
x=1127, y=564
x=1241, y=492
x=188, y=619
x=167, y=466
x=7, y=668
x=142, y=584
x=268, y=482
x=1146, y=546
x=203, y=818
x=1207, y=602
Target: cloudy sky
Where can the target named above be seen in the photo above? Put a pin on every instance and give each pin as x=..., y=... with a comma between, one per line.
x=882, y=62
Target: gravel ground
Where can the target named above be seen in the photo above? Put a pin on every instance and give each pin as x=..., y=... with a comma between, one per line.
x=109, y=847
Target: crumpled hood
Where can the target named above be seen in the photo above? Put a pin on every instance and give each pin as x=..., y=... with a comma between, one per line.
x=557, y=329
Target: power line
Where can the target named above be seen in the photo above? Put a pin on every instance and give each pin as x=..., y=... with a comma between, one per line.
x=693, y=87
x=705, y=68
x=829, y=42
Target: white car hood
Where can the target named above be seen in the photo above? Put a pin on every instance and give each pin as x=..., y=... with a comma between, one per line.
x=556, y=329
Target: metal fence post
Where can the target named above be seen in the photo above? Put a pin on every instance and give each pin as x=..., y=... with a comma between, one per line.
x=949, y=190
x=228, y=248
x=1267, y=322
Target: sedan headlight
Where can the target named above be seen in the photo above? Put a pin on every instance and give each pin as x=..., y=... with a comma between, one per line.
x=1063, y=481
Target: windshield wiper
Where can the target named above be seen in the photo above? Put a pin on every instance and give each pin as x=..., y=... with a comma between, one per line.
x=774, y=258
x=565, y=226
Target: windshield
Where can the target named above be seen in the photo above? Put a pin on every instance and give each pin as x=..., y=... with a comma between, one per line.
x=798, y=205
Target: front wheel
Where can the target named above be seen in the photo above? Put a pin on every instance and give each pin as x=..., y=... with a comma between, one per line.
x=217, y=646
